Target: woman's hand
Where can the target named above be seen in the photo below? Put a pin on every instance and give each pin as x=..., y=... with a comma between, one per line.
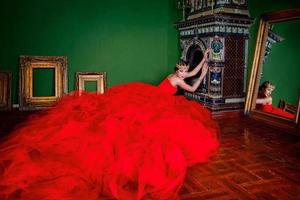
x=206, y=54
x=204, y=70
x=200, y=65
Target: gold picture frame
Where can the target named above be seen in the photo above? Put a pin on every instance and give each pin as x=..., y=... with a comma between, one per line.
x=5, y=90
x=99, y=77
x=291, y=126
x=27, y=64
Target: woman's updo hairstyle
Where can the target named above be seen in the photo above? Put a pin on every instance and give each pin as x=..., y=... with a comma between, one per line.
x=181, y=64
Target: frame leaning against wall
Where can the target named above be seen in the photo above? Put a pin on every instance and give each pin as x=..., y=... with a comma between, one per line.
x=27, y=100
x=98, y=77
x=5, y=90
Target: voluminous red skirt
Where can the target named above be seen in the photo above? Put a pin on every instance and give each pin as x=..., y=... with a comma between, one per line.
x=133, y=142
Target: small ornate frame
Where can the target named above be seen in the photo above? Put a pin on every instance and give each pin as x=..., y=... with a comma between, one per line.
x=99, y=77
x=5, y=90
x=27, y=63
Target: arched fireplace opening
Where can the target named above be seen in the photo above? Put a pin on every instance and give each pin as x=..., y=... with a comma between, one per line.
x=193, y=57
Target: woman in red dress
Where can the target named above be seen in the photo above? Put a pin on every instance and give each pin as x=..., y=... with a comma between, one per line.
x=133, y=142
x=264, y=101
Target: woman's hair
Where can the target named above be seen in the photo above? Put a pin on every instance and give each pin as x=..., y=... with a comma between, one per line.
x=264, y=86
x=180, y=64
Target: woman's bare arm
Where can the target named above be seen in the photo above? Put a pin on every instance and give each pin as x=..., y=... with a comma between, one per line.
x=193, y=88
x=267, y=100
x=200, y=65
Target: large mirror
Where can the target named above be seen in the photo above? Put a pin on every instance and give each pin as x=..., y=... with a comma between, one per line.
x=273, y=95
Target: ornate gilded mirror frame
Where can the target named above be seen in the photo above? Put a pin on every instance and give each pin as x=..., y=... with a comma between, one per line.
x=291, y=126
x=5, y=90
x=27, y=101
x=98, y=77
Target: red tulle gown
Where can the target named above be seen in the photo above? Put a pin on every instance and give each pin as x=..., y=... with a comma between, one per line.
x=276, y=111
x=134, y=142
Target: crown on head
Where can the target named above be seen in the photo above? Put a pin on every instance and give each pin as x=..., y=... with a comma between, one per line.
x=182, y=66
x=270, y=85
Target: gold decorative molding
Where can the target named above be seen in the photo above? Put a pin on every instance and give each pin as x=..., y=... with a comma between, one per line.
x=27, y=64
x=219, y=10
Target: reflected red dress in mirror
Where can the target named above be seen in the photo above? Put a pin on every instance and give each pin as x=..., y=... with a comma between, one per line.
x=269, y=108
x=135, y=141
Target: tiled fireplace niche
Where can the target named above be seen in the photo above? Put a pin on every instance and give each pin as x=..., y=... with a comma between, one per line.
x=224, y=27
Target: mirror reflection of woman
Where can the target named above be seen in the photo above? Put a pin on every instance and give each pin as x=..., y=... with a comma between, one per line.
x=133, y=142
x=264, y=101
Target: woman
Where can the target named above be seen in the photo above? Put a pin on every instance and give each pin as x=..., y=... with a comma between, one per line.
x=135, y=141
x=264, y=101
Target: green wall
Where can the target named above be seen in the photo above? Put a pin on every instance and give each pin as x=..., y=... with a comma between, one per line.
x=130, y=40
x=282, y=66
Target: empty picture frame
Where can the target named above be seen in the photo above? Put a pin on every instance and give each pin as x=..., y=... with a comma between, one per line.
x=5, y=90
x=27, y=99
x=83, y=77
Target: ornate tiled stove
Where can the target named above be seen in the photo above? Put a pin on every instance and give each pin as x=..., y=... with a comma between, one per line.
x=222, y=25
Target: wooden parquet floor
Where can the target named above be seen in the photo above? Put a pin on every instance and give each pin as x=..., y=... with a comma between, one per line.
x=254, y=162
